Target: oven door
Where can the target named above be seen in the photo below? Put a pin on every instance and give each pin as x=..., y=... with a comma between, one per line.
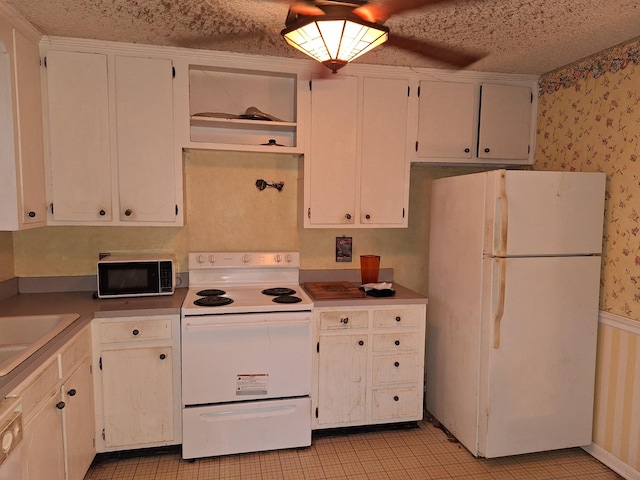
x=239, y=357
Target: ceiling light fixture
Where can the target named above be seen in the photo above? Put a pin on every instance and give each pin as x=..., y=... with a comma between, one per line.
x=335, y=38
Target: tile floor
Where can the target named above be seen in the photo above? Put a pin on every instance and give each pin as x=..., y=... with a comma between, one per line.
x=417, y=453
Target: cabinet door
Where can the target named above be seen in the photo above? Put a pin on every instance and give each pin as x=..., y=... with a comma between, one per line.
x=31, y=141
x=333, y=151
x=79, y=421
x=22, y=187
x=505, y=122
x=137, y=387
x=146, y=158
x=42, y=443
x=384, y=185
x=78, y=122
x=447, y=115
x=342, y=379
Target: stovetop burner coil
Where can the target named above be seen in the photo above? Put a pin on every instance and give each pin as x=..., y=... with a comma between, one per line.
x=211, y=292
x=286, y=299
x=278, y=291
x=213, y=301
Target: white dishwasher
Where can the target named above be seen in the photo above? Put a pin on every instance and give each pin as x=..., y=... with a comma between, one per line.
x=10, y=437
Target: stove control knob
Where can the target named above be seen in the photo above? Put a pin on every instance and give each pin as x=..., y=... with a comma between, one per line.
x=288, y=258
x=200, y=259
x=246, y=258
x=277, y=258
x=212, y=259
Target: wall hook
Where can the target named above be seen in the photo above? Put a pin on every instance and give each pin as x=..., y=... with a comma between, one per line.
x=262, y=184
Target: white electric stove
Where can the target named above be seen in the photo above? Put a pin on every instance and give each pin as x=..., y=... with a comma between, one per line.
x=247, y=337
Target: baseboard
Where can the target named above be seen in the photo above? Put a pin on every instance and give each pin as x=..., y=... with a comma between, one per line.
x=612, y=462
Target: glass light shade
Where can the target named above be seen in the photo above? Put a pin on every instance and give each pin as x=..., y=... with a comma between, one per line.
x=335, y=42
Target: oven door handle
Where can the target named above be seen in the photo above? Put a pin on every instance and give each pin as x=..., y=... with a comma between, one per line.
x=247, y=414
x=245, y=324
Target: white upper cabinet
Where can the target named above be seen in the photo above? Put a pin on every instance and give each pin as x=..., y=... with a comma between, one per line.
x=144, y=124
x=505, y=122
x=331, y=167
x=243, y=110
x=447, y=120
x=79, y=133
x=22, y=186
x=112, y=155
x=357, y=169
x=476, y=123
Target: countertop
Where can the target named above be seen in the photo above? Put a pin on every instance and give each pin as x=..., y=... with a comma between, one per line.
x=403, y=296
x=89, y=308
x=84, y=305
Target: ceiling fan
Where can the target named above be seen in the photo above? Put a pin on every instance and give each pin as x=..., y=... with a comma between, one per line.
x=335, y=32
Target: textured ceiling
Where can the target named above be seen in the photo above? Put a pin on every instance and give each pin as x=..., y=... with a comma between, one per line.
x=518, y=36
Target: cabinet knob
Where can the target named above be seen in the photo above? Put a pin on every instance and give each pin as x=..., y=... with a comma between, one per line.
x=397, y=342
x=60, y=405
x=361, y=342
x=367, y=216
x=162, y=356
x=397, y=364
x=135, y=332
x=398, y=318
x=396, y=398
x=31, y=214
x=344, y=320
x=467, y=150
x=102, y=213
x=72, y=392
x=487, y=150
x=128, y=212
x=348, y=216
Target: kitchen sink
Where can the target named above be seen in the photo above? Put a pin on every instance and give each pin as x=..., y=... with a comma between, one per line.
x=22, y=335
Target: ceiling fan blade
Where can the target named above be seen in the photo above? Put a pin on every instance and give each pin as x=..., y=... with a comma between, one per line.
x=378, y=12
x=451, y=56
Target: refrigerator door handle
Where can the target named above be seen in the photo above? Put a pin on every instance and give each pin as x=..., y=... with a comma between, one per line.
x=497, y=319
x=504, y=214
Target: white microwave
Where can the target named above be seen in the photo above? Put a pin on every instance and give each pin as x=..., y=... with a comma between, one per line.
x=136, y=276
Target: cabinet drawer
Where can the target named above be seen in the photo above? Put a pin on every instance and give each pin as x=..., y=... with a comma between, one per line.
x=344, y=319
x=396, y=403
x=395, y=318
x=37, y=388
x=76, y=351
x=394, y=369
x=396, y=342
x=135, y=330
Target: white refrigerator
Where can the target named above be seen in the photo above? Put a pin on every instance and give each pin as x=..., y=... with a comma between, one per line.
x=514, y=280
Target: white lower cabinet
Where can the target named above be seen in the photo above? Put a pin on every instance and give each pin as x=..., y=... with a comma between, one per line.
x=57, y=404
x=369, y=365
x=42, y=443
x=137, y=382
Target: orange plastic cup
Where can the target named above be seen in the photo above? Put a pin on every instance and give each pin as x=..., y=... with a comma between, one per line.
x=369, y=268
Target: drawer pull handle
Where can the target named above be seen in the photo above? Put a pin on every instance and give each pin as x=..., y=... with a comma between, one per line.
x=72, y=392
x=344, y=320
x=162, y=356
x=135, y=332
x=397, y=364
x=398, y=318
x=361, y=342
x=397, y=342
x=396, y=398
x=60, y=405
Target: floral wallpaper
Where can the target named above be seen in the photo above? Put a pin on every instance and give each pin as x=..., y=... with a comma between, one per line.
x=589, y=120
